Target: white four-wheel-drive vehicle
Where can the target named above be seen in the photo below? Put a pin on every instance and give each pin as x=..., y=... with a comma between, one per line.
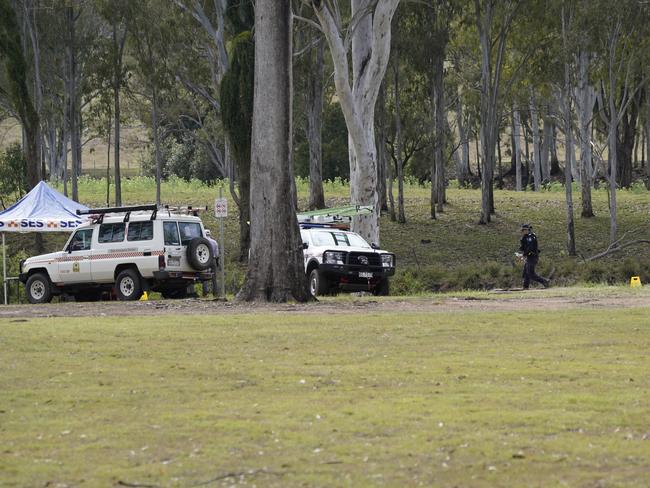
x=125, y=250
x=338, y=259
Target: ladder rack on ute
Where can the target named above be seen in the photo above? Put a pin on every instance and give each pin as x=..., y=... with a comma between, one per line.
x=339, y=217
x=100, y=212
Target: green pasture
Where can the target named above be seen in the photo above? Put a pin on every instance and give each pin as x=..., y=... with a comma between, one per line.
x=472, y=399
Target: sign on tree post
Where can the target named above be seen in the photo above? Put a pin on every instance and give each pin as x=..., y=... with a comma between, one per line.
x=220, y=212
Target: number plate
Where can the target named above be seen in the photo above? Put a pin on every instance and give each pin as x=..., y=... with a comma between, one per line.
x=174, y=261
x=365, y=274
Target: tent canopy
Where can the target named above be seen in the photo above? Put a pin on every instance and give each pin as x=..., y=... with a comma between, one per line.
x=41, y=210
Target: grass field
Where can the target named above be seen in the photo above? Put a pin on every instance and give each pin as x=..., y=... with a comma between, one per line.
x=523, y=398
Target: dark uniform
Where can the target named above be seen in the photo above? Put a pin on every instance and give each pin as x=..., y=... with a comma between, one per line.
x=528, y=247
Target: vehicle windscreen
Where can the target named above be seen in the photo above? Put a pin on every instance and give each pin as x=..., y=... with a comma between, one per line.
x=334, y=238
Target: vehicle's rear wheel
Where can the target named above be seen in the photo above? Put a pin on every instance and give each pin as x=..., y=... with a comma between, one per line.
x=318, y=284
x=128, y=285
x=199, y=253
x=382, y=288
x=39, y=289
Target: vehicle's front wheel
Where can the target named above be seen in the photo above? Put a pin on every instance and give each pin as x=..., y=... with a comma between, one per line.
x=128, y=285
x=382, y=288
x=38, y=289
x=318, y=284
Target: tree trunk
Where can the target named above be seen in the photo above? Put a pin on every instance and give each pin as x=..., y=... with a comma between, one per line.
x=438, y=166
x=516, y=136
x=118, y=46
x=156, y=140
x=276, y=271
x=585, y=103
x=545, y=150
x=570, y=229
x=382, y=160
x=314, y=128
x=534, y=125
x=463, y=169
x=370, y=52
x=489, y=95
x=399, y=156
x=647, y=138
x=73, y=100
x=625, y=141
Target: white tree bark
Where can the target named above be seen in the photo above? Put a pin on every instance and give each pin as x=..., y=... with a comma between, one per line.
x=534, y=123
x=370, y=53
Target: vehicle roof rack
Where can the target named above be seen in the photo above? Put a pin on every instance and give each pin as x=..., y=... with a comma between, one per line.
x=334, y=216
x=98, y=213
x=134, y=208
x=188, y=209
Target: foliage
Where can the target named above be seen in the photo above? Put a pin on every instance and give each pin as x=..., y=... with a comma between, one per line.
x=334, y=146
x=13, y=174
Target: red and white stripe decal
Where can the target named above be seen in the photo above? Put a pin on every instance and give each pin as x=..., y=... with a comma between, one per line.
x=112, y=255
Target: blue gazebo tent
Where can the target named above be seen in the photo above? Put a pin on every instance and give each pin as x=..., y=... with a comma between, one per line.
x=41, y=210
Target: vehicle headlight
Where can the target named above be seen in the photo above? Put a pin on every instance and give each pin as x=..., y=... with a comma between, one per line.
x=334, y=257
x=387, y=260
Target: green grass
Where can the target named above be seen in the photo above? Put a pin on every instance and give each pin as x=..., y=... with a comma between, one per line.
x=531, y=398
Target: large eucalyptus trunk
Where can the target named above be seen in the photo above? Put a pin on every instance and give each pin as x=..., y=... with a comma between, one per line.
x=370, y=52
x=534, y=125
x=314, y=128
x=516, y=136
x=585, y=99
x=276, y=270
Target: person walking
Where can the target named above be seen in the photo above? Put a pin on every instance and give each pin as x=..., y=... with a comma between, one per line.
x=530, y=254
x=213, y=267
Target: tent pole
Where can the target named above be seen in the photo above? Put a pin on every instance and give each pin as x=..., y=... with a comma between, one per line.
x=4, y=267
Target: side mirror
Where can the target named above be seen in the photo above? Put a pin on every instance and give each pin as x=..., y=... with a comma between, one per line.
x=305, y=245
x=374, y=246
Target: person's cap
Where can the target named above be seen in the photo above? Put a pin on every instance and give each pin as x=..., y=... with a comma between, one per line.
x=526, y=226
x=207, y=232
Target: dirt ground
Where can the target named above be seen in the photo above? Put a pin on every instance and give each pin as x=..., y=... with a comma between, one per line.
x=496, y=300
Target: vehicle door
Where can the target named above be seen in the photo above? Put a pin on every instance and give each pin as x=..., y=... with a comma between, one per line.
x=110, y=251
x=140, y=235
x=174, y=255
x=74, y=265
